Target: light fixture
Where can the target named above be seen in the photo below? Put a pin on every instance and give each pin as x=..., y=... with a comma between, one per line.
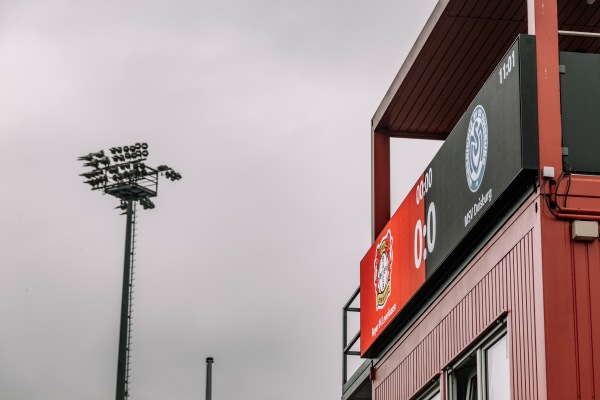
x=91, y=156
x=93, y=163
x=590, y=2
x=91, y=174
x=137, y=183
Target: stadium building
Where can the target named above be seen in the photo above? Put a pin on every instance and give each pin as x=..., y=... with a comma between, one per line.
x=485, y=282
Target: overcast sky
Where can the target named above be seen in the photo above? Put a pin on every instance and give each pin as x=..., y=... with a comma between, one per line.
x=264, y=107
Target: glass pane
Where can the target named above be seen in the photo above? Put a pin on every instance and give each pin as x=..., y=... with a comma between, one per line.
x=472, y=388
x=464, y=379
x=498, y=371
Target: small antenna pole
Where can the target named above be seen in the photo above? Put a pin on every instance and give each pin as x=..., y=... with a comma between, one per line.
x=209, y=362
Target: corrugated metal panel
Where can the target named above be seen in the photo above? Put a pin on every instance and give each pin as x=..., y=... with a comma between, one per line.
x=594, y=279
x=522, y=338
x=454, y=55
x=499, y=281
x=571, y=297
x=454, y=61
x=585, y=266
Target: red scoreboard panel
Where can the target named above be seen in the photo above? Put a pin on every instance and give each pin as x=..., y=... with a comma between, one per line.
x=394, y=267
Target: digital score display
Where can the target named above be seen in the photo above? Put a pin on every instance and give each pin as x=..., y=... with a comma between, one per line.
x=493, y=144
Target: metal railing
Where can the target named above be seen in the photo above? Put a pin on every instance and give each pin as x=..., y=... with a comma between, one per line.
x=579, y=34
x=347, y=345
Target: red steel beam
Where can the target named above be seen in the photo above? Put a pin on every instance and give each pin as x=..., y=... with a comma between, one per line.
x=558, y=377
x=380, y=191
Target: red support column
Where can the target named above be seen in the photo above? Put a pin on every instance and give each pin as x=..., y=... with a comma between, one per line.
x=559, y=319
x=380, y=181
x=546, y=32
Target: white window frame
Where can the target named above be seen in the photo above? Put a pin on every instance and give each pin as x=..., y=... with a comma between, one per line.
x=431, y=392
x=479, y=352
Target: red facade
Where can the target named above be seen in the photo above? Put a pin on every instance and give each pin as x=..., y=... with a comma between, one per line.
x=500, y=281
x=554, y=352
x=530, y=280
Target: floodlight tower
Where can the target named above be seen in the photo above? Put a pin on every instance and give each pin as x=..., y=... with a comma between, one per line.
x=125, y=176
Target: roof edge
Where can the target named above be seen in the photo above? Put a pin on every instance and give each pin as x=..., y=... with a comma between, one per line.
x=408, y=62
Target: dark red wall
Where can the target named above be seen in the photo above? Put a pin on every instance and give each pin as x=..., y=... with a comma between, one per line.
x=571, y=297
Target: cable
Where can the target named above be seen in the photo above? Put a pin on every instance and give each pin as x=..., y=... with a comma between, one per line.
x=546, y=198
x=567, y=168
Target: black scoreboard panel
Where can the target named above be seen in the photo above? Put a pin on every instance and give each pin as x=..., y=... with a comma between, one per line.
x=494, y=142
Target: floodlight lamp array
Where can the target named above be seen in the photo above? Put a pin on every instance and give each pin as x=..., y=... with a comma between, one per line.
x=146, y=203
x=168, y=172
x=125, y=175
x=127, y=153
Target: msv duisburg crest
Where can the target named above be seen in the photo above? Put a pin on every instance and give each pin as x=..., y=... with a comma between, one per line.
x=476, y=148
x=383, y=270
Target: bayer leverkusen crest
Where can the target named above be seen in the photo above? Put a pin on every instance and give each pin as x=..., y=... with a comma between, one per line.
x=383, y=270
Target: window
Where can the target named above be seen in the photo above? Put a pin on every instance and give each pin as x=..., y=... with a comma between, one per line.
x=498, y=372
x=484, y=373
x=433, y=393
x=463, y=379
